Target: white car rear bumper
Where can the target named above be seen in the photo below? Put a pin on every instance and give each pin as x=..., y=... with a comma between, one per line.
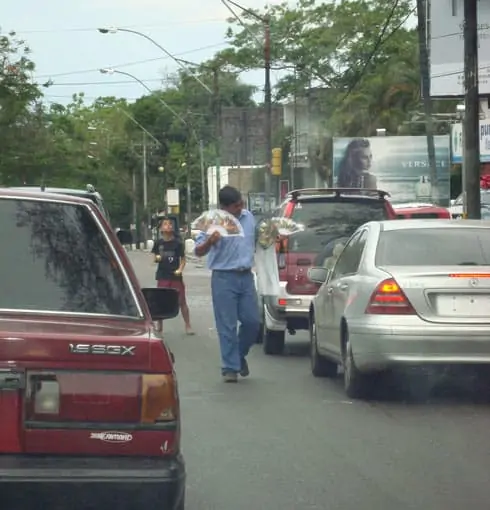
x=376, y=347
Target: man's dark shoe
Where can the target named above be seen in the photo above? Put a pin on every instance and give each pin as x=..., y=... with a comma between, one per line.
x=230, y=377
x=244, y=371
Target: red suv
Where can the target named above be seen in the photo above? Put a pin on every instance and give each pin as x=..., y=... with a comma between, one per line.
x=88, y=393
x=418, y=210
x=329, y=216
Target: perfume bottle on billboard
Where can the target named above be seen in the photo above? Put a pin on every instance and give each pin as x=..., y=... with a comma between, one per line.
x=423, y=188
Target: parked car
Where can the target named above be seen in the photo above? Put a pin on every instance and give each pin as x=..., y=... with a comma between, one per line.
x=89, y=192
x=456, y=208
x=413, y=292
x=329, y=216
x=419, y=210
x=88, y=392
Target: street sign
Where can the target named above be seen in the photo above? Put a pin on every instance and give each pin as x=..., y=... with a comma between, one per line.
x=457, y=142
x=173, y=198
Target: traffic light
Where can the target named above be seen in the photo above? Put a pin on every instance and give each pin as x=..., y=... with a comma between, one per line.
x=276, y=167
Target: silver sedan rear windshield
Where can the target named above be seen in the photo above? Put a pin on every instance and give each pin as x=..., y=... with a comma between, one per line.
x=55, y=258
x=434, y=247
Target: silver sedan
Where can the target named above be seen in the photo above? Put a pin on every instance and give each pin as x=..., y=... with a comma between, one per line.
x=407, y=292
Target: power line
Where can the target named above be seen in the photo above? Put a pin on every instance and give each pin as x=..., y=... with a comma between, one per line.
x=105, y=82
x=454, y=34
x=94, y=29
x=381, y=39
x=49, y=98
x=454, y=73
x=133, y=63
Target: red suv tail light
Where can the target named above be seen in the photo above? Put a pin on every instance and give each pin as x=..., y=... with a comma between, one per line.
x=388, y=298
x=101, y=398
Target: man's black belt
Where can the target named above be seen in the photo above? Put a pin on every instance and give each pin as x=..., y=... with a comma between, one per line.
x=235, y=270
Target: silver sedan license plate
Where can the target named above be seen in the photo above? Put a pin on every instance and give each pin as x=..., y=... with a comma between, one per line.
x=463, y=305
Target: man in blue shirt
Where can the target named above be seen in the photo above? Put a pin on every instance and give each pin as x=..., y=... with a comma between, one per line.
x=232, y=286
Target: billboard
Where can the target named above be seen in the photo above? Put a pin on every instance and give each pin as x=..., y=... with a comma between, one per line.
x=447, y=48
x=457, y=142
x=396, y=164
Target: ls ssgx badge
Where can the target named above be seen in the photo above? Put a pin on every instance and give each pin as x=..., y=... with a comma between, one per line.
x=102, y=349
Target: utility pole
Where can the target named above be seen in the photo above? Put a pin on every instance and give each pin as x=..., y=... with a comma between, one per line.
x=267, y=94
x=188, y=189
x=294, y=144
x=146, y=214
x=425, y=74
x=203, y=176
x=268, y=116
x=218, y=127
x=188, y=199
x=135, y=205
x=471, y=127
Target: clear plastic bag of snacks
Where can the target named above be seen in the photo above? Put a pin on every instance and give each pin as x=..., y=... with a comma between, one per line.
x=217, y=220
x=286, y=226
x=270, y=229
x=267, y=272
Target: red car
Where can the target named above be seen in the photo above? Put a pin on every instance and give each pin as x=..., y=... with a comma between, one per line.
x=420, y=211
x=329, y=216
x=88, y=393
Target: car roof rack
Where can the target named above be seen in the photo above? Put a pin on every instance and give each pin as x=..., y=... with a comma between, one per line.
x=375, y=193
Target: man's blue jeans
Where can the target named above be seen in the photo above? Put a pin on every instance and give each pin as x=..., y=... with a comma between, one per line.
x=235, y=300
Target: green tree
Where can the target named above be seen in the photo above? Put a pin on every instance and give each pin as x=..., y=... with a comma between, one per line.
x=91, y=142
x=179, y=117
x=21, y=116
x=361, y=51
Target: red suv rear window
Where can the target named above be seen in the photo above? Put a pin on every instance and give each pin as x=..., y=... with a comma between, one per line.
x=328, y=219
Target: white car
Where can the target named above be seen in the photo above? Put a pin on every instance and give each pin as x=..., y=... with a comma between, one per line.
x=403, y=293
x=456, y=208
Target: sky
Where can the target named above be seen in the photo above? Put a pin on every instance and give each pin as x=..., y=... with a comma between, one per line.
x=68, y=49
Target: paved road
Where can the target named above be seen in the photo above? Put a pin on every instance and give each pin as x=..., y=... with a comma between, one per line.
x=282, y=440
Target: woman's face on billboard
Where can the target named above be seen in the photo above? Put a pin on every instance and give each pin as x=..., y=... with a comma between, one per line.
x=361, y=159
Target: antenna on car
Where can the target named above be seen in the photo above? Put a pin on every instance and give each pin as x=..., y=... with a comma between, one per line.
x=90, y=188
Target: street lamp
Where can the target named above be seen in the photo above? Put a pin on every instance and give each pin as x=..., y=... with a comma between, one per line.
x=115, y=30
x=110, y=71
x=183, y=65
